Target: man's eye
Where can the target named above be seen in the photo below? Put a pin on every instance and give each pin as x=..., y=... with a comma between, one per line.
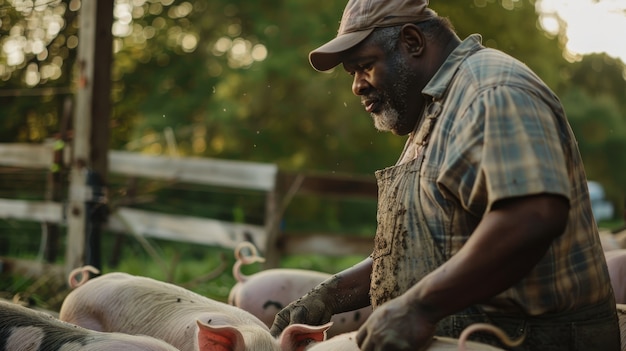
x=359, y=68
x=365, y=66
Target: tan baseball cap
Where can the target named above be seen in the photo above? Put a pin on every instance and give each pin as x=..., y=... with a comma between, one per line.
x=360, y=18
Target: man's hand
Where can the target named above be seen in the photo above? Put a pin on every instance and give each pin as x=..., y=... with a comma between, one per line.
x=396, y=326
x=309, y=309
x=345, y=291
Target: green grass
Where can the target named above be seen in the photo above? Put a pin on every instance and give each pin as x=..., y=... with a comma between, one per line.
x=612, y=224
x=203, y=269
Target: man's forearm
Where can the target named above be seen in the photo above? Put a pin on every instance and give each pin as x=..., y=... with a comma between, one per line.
x=502, y=250
x=350, y=288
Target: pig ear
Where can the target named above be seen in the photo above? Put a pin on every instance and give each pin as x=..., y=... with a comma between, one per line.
x=296, y=337
x=219, y=338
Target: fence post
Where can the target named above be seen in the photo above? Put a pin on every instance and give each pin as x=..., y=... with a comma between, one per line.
x=273, y=249
x=91, y=123
x=97, y=212
x=55, y=183
x=278, y=200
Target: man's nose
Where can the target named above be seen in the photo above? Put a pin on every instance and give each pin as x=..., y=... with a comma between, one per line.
x=359, y=84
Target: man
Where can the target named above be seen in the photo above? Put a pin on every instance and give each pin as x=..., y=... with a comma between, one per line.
x=486, y=216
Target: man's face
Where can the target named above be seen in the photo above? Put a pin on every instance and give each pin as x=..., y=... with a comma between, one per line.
x=387, y=87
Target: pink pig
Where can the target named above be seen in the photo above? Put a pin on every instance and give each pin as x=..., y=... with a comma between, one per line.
x=265, y=293
x=347, y=341
x=23, y=329
x=139, y=305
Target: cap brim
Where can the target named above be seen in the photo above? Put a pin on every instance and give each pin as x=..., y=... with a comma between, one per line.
x=328, y=55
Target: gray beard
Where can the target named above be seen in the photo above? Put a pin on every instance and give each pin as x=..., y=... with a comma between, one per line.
x=392, y=116
x=388, y=119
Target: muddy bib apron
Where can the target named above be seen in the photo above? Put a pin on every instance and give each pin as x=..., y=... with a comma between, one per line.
x=404, y=249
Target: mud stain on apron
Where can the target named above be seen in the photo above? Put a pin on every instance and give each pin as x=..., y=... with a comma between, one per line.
x=404, y=249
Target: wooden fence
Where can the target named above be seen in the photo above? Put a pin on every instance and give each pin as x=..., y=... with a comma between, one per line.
x=91, y=112
x=278, y=187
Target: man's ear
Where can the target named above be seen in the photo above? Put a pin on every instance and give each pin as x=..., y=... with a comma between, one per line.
x=412, y=39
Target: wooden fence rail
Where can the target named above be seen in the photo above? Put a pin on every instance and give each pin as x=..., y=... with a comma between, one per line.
x=279, y=188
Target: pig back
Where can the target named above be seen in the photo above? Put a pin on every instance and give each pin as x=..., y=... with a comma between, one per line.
x=20, y=326
x=265, y=293
x=347, y=342
x=120, y=302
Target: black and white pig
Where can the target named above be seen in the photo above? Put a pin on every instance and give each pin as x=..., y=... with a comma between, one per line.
x=120, y=302
x=23, y=329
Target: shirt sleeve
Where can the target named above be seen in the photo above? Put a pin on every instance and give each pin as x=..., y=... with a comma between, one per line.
x=506, y=145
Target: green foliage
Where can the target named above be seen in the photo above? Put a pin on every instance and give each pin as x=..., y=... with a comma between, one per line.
x=603, y=79
x=203, y=269
x=231, y=79
x=601, y=133
x=33, y=90
x=510, y=26
x=188, y=66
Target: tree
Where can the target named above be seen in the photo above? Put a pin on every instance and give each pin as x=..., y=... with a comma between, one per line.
x=231, y=79
x=35, y=66
x=601, y=132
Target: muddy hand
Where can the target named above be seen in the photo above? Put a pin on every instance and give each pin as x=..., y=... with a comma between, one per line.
x=309, y=309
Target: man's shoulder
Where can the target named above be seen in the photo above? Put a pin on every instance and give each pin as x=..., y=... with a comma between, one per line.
x=488, y=68
x=490, y=63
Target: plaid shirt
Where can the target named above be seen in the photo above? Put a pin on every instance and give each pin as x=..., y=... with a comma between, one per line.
x=503, y=133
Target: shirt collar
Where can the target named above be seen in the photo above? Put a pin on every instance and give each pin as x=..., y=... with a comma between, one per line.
x=440, y=81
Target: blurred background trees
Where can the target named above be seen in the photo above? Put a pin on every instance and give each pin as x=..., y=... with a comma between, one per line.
x=230, y=79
